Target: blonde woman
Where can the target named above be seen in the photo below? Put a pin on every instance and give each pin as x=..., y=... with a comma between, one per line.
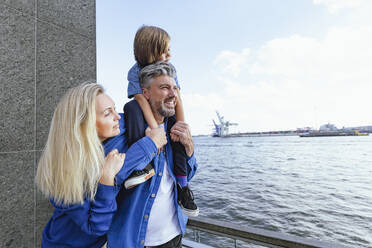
x=73, y=172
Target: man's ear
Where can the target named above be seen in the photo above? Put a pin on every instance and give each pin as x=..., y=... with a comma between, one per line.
x=146, y=93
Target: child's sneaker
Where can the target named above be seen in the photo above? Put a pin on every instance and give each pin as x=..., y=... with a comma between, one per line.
x=186, y=201
x=139, y=176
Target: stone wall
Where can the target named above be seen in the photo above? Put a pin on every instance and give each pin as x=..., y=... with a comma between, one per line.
x=46, y=47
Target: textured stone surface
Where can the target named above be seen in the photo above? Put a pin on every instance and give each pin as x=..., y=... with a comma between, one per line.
x=17, y=200
x=26, y=6
x=17, y=77
x=44, y=211
x=35, y=70
x=64, y=59
x=77, y=16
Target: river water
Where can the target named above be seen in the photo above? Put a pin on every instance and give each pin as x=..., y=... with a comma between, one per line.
x=318, y=188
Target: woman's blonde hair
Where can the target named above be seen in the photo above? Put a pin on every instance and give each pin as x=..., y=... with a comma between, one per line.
x=149, y=44
x=71, y=163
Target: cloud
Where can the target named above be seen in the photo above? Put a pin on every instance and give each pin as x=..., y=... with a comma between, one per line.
x=232, y=62
x=342, y=56
x=334, y=6
x=292, y=82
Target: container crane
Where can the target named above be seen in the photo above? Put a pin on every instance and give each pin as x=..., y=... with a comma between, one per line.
x=222, y=128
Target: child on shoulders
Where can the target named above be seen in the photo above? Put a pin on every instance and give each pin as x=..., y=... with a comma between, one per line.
x=152, y=44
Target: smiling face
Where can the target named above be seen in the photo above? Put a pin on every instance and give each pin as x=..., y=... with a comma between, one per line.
x=162, y=96
x=107, y=119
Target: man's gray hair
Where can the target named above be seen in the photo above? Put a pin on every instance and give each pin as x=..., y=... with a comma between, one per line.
x=154, y=70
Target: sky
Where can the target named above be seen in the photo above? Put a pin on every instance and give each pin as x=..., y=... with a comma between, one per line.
x=264, y=64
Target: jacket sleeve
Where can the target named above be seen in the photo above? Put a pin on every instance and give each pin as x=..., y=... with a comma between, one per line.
x=193, y=166
x=137, y=157
x=93, y=217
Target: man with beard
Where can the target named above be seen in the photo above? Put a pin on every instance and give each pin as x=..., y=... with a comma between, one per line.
x=148, y=215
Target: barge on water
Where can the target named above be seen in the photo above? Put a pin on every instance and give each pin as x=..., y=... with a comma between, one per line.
x=332, y=133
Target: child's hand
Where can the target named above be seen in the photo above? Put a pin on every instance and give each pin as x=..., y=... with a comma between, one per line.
x=113, y=163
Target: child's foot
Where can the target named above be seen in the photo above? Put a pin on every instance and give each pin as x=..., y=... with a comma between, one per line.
x=139, y=176
x=186, y=201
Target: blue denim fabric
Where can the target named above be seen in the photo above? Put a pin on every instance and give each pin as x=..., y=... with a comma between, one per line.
x=81, y=225
x=128, y=228
x=85, y=225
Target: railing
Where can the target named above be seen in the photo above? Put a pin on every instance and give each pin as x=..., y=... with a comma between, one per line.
x=252, y=235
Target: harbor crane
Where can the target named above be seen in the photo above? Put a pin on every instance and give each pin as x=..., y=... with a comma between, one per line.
x=222, y=128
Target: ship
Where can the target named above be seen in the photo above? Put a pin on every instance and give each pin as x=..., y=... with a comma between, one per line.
x=221, y=129
x=333, y=133
x=329, y=130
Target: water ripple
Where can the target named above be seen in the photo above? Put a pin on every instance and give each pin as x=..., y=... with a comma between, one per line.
x=313, y=188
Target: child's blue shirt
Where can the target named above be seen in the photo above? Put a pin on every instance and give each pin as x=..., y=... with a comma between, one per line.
x=134, y=86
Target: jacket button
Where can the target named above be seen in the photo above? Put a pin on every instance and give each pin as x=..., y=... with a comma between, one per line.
x=160, y=174
x=153, y=195
x=146, y=216
x=142, y=242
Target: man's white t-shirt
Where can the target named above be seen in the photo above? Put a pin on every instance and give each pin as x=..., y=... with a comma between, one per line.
x=163, y=223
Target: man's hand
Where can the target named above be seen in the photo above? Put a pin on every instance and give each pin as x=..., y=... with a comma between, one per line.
x=182, y=133
x=157, y=135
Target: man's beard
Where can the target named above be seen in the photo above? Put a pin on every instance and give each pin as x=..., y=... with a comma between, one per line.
x=161, y=109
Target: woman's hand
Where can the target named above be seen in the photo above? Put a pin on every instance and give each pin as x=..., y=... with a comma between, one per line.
x=158, y=136
x=113, y=163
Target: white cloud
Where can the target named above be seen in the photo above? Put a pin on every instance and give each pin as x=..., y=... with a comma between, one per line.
x=343, y=55
x=232, y=62
x=293, y=82
x=334, y=6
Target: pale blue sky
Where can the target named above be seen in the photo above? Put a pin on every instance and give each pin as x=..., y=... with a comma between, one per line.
x=251, y=60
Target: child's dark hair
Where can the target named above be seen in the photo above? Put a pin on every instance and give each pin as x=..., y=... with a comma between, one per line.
x=149, y=44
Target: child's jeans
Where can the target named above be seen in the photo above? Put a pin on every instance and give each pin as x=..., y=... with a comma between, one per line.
x=135, y=129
